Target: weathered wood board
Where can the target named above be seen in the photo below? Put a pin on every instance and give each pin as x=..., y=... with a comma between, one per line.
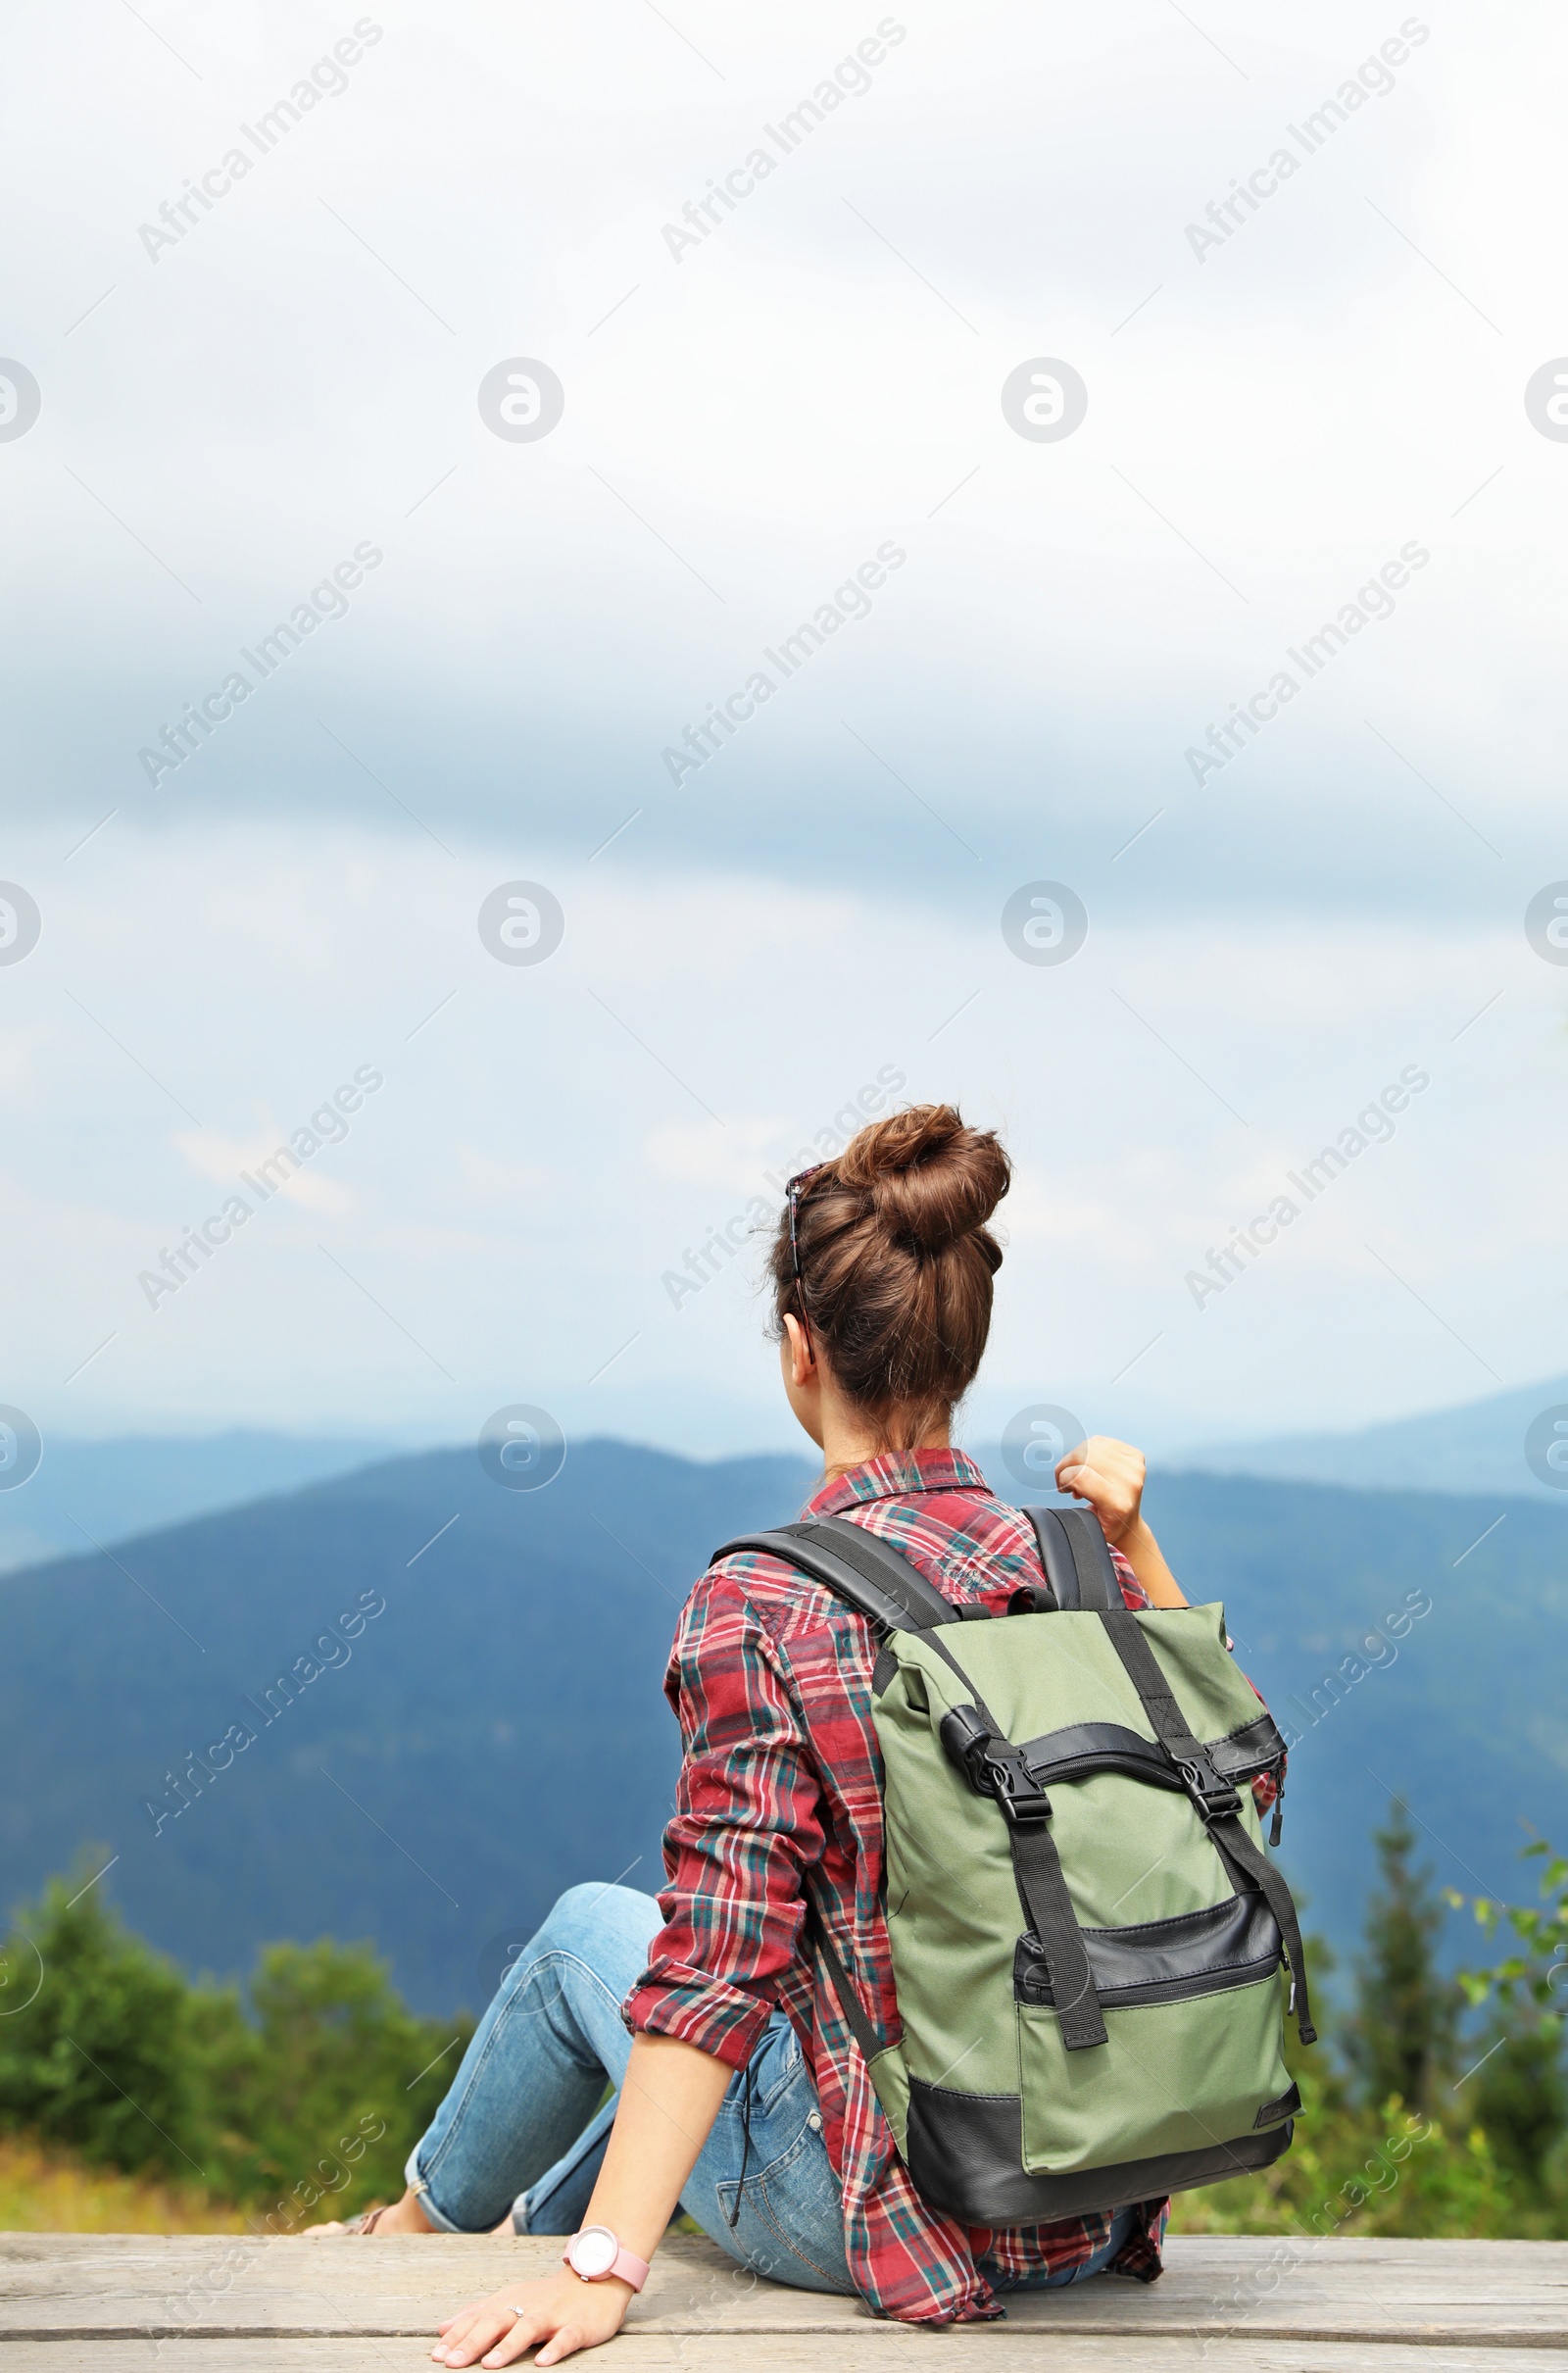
x=216, y=2303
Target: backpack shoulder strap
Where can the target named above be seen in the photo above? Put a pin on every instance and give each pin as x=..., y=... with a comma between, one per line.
x=1076, y=1562
x=857, y=1567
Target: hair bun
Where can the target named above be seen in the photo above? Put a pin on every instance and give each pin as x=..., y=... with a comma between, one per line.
x=930, y=1178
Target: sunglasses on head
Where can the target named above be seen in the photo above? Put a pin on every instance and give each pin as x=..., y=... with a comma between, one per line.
x=793, y=1191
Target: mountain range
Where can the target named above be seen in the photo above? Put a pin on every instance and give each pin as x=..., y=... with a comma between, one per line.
x=1480, y=1448
x=449, y=1692
x=87, y=1494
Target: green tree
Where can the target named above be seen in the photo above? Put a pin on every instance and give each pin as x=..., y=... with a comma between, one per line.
x=300, y=2102
x=1401, y=2038
x=326, y=2095
x=97, y=2057
x=1522, y=2099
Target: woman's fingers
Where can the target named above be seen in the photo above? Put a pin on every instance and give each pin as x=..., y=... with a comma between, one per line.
x=1109, y=1475
x=1089, y=1483
x=558, y=2317
x=474, y=2335
x=466, y=2336
x=458, y=2323
x=567, y=2342
x=517, y=2338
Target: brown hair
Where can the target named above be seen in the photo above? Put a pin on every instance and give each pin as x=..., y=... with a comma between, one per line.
x=896, y=1263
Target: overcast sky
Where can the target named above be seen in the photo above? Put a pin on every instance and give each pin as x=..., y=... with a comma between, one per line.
x=1311, y=412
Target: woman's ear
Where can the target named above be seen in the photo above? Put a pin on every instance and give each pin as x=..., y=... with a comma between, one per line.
x=800, y=1357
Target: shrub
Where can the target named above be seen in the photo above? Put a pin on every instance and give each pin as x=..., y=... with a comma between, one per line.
x=301, y=2098
x=98, y=2059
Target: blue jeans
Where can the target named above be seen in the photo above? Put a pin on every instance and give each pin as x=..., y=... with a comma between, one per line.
x=523, y=2125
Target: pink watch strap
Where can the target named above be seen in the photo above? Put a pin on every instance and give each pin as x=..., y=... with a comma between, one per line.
x=626, y=2266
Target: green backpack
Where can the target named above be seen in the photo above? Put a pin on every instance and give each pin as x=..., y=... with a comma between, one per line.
x=1087, y=1767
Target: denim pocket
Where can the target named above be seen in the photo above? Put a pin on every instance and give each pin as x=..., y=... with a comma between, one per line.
x=789, y=2217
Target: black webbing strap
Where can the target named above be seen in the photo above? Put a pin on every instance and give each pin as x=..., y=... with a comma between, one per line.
x=1230, y=1835
x=854, y=2018
x=1148, y=1677
x=1043, y=1890
x=1077, y=1563
x=1216, y=1802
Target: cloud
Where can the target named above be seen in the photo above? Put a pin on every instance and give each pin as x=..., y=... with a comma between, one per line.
x=740, y=430
x=557, y=1137
x=223, y=1158
x=821, y=903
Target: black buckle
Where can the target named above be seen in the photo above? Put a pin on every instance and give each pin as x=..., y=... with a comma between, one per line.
x=993, y=1767
x=1213, y=1798
x=1010, y=1781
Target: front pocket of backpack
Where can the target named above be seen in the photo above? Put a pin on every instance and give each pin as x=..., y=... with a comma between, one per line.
x=1194, y=2028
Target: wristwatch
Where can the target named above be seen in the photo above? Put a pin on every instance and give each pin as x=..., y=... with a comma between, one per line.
x=595, y=2256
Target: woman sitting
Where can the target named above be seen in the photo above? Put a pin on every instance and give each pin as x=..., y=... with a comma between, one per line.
x=740, y=2095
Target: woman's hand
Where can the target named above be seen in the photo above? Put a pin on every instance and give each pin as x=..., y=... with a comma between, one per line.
x=1109, y=1475
x=670, y=2097
x=564, y=2315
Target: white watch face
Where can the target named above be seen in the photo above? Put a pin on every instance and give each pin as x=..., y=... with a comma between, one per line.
x=594, y=2251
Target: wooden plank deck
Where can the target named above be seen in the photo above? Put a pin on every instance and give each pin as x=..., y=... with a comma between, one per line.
x=221, y=2304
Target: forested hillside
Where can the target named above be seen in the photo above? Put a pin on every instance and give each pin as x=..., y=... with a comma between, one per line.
x=452, y=1693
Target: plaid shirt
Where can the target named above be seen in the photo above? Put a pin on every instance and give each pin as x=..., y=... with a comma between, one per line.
x=770, y=1679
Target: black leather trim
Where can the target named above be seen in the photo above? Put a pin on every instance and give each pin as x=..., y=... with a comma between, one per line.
x=1231, y=1944
x=1287, y=2103
x=1249, y=1749
x=1082, y=1748
x=966, y=2156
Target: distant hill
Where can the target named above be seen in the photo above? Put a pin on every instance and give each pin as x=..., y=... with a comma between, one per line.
x=106, y=1491
x=497, y=1729
x=501, y=1723
x=1479, y=1448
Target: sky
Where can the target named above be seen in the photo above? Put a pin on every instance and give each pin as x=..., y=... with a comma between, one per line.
x=1332, y=407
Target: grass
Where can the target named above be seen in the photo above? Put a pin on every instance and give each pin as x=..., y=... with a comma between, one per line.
x=48, y=2190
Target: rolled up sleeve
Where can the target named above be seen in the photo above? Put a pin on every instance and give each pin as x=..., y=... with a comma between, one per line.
x=746, y=1825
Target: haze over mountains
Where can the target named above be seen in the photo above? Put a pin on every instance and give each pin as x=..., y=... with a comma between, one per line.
x=470, y=1713
x=1478, y=1448
x=88, y=1491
